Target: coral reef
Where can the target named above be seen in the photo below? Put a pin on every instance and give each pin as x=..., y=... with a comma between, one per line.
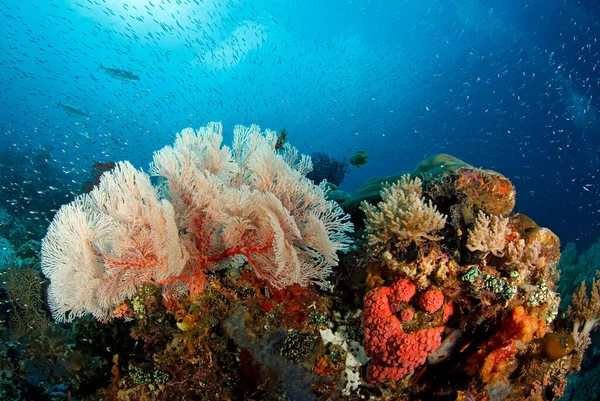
x=218, y=207
x=498, y=271
x=235, y=279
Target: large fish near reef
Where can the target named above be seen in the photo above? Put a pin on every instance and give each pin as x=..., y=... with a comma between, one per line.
x=74, y=111
x=121, y=75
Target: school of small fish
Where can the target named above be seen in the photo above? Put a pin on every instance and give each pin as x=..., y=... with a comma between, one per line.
x=107, y=80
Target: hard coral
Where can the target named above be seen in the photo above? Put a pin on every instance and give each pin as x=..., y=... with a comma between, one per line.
x=393, y=352
x=486, y=190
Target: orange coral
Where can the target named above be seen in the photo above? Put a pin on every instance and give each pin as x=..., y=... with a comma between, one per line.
x=123, y=311
x=491, y=361
x=512, y=236
x=505, y=188
x=291, y=301
x=116, y=377
x=323, y=368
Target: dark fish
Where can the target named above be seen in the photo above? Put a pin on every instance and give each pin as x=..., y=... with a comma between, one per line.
x=360, y=158
x=121, y=75
x=73, y=111
x=557, y=345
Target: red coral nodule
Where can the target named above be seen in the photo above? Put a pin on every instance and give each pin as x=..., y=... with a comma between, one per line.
x=431, y=301
x=393, y=352
x=403, y=290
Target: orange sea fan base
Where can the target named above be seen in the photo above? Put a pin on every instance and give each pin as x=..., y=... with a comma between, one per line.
x=138, y=270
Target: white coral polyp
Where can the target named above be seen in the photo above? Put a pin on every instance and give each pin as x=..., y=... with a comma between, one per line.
x=216, y=204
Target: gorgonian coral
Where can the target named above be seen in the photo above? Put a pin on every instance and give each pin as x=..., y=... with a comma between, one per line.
x=217, y=207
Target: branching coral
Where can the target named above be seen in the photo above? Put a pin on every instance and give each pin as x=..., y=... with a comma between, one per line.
x=217, y=207
x=576, y=267
x=585, y=312
x=488, y=234
x=402, y=216
x=24, y=291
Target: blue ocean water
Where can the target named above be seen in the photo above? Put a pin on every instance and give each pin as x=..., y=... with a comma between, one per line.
x=509, y=86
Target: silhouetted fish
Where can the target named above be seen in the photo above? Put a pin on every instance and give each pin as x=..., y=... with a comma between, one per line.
x=360, y=158
x=73, y=111
x=121, y=75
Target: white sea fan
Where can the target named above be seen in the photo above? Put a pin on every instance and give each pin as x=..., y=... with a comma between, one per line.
x=257, y=196
x=216, y=208
x=103, y=245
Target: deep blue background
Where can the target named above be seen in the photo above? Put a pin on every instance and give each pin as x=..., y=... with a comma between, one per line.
x=506, y=85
